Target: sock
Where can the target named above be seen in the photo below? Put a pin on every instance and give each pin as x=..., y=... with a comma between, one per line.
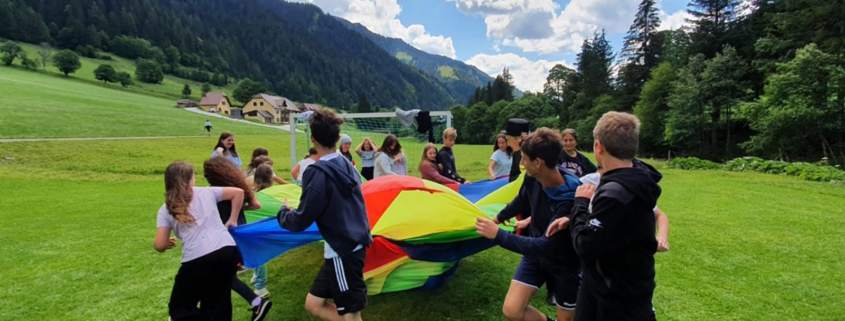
x=256, y=301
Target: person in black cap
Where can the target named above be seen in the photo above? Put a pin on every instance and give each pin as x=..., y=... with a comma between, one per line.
x=515, y=131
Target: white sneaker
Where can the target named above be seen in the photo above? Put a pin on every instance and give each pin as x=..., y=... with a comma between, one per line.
x=254, y=277
x=262, y=293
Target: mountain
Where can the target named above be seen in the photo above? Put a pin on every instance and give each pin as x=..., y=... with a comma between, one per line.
x=459, y=78
x=325, y=63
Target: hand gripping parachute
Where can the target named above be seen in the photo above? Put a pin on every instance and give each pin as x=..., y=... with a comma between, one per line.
x=420, y=229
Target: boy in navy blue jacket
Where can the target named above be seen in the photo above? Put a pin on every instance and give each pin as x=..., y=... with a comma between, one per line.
x=548, y=193
x=331, y=196
x=612, y=227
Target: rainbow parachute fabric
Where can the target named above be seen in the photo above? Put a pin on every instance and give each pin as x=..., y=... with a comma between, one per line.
x=420, y=229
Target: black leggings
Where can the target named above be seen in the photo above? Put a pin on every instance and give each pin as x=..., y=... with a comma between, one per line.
x=207, y=282
x=367, y=172
x=243, y=290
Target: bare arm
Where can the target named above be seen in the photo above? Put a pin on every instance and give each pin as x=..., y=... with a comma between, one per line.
x=662, y=230
x=295, y=172
x=236, y=195
x=279, y=180
x=490, y=170
x=254, y=204
x=358, y=148
x=163, y=241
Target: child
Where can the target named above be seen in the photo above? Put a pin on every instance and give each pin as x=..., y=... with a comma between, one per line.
x=428, y=169
x=613, y=226
x=207, y=128
x=501, y=160
x=300, y=167
x=264, y=155
x=342, y=222
x=345, y=145
x=571, y=158
x=209, y=255
x=515, y=132
x=367, y=151
x=263, y=178
x=548, y=193
x=386, y=157
x=221, y=172
x=447, y=159
x=226, y=147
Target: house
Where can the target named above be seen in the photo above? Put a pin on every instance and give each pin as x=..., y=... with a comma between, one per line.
x=186, y=103
x=216, y=102
x=308, y=107
x=269, y=109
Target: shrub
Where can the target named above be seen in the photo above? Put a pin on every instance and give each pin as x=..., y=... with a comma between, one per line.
x=692, y=163
x=812, y=172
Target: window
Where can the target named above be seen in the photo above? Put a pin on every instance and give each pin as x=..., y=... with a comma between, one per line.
x=254, y=103
x=224, y=103
x=262, y=103
x=278, y=111
x=227, y=112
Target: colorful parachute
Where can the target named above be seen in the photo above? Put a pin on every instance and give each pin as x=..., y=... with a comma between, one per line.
x=420, y=229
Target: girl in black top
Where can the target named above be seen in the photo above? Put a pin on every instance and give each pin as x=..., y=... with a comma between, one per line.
x=571, y=159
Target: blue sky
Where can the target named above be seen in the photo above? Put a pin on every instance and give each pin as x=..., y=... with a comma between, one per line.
x=527, y=36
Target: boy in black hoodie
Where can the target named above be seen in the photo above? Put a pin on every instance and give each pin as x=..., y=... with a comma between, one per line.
x=446, y=159
x=548, y=193
x=331, y=196
x=614, y=232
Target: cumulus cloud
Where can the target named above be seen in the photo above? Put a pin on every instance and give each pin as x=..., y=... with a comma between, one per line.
x=527, y=74
x=674, y=21
x=381, y=17
x=519, y=23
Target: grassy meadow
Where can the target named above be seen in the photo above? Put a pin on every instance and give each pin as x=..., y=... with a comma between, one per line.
x=79, y=221
x=170, y=87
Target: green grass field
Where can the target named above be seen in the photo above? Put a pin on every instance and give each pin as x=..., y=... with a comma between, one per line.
x=79, y=220
x=170, y=87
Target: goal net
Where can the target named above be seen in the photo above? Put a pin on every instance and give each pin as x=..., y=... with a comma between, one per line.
x=375, y=126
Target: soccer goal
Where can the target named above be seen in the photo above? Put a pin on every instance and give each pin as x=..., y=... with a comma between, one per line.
x=375, y=126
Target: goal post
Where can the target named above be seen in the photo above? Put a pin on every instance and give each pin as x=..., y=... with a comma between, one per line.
x=375, y=126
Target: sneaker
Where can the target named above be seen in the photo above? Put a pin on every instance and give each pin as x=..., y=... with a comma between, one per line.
x=263, y=293
x=254, y=277
x=260, y=311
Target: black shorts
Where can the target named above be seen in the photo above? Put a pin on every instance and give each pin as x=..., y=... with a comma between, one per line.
x=563, y=284
x=342, y=279
x=208, y=128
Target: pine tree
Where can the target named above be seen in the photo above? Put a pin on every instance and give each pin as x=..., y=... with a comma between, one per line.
x=639, y=52
x=363, y=104
x=712, y=19
x=186, y=91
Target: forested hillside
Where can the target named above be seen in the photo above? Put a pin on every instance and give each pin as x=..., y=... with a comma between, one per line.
x=221, y=41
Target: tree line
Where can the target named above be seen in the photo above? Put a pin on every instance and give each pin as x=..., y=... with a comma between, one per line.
x=762, y=77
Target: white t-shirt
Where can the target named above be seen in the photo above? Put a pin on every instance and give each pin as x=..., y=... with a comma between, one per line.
x=594, y=179
x=503, y=163
x=207, y=233
x=303, y=164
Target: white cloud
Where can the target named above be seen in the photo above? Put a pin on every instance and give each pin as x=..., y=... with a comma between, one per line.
x=557, y=30
x=674, y=21
x=381, y=17
x=527, y=74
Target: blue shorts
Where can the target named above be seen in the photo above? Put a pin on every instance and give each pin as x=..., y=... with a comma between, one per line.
x=563, y=284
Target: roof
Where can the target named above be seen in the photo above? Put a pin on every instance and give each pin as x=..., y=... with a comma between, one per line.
x=265, y=114
x=308, y=107
x=212, y=98
x=278, y=102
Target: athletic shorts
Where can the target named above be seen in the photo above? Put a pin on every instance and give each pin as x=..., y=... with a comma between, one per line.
x=342, y=279
x=562, y=284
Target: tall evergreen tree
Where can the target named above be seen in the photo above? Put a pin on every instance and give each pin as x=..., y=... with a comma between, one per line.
x=712, y=20
x=640, y=53
x=363, y=104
